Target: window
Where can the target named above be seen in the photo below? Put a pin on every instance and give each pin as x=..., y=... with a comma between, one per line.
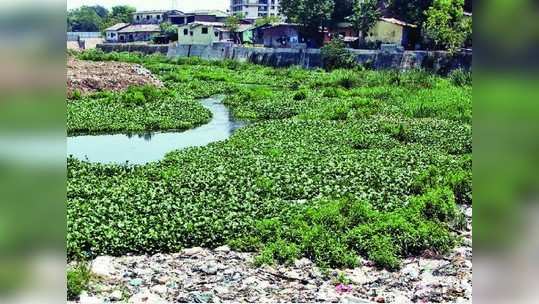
x=204, y=30
x=216, y=34
x=148, y=17
x=185, y=32
x=138, y=17
x=158, y=17
x=112, y=35
x=191, y=33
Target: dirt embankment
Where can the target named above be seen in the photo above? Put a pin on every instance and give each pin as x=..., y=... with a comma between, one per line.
x=89, y=76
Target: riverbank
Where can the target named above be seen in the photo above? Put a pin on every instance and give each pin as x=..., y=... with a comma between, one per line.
x=224, y=276
x=346, y=168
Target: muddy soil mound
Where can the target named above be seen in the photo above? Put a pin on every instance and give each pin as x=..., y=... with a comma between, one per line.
x=90, y=76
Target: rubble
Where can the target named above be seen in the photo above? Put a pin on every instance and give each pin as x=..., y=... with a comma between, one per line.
x=212, y=276
x=94, y=76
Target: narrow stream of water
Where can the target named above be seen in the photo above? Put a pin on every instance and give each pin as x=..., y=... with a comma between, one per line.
x=148, y=147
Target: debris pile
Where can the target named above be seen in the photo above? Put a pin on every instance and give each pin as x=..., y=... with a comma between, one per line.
x=94, y=76
x=222, y=275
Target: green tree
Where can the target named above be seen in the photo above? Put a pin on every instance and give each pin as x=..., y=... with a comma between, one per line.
x=411, y=11
x=365, y=15
x=102, y=12
x=311, y=14
x=119, y=14
x=123, y=13
x=341, y=11
x=446, y=25
x=170, y=30
x=267, y=20
x=335, y=56
x=84, y=19
x=232, y=23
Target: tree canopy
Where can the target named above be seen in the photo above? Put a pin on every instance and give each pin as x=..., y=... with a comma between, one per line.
x=267, y=20
x=96, y=18
x=365, y=15
x=232, y=23
x=446, y=25
x=309, y=13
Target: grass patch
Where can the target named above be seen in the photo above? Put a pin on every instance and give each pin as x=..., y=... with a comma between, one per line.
x=78, y=279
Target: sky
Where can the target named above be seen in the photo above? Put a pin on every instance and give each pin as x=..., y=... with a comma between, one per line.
x=182, y=5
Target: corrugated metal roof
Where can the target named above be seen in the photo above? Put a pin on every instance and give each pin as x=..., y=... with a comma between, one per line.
x=268, y=26
x=398, y=22
x=117, y=26
x=151, y=12
x=205, y=23
x=245, y=27
x=216, y=13
x=141, y=28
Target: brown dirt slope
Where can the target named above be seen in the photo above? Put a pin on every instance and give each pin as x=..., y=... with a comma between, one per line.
x=90, y=76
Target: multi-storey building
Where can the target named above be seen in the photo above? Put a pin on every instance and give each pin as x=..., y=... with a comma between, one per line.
x=253, y=9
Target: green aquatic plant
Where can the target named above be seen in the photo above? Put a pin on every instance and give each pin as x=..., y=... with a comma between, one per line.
x=360, y=163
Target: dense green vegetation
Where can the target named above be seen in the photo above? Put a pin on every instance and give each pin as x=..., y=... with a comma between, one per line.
x=335, y=165
x=97, y=18
x=137, y=109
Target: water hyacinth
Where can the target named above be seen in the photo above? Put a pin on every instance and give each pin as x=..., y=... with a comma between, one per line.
x=359, y=170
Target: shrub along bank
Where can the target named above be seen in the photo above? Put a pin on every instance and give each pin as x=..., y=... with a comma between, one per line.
x=334, y=165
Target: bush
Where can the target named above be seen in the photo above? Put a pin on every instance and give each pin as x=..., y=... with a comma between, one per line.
x=348, y=80
x=280, y=251
x=461, y=184
x=335, y=56
x=438, y=204
x=134, y=98
x=78, y=279
x=140, y=95
x=383, y=252
x=300, y=95
x=460, y=78
x=333, y=92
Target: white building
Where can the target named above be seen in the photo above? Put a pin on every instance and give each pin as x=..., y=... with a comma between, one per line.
x=148, y=17
x=112, y=32
x=253, y=9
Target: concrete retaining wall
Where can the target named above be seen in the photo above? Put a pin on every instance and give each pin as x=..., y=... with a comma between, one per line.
x=133, y=47
x=437, y=62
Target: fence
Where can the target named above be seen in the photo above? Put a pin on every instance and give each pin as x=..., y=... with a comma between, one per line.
x=74, y=36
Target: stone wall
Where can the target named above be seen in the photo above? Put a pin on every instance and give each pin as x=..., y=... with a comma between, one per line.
x=437, y=62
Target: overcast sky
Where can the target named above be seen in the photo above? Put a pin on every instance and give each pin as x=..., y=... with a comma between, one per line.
x=183, y=5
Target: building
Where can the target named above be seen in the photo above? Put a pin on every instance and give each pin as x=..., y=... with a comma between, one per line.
x=246, y=34
x=253, y=9
x=138, y=32
x=111, y=33
x=344, y=31
x=154, y=16
x=386, y=30
x=198, y=16
x=391, y=30
x=201, y=33
x=279, y=35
